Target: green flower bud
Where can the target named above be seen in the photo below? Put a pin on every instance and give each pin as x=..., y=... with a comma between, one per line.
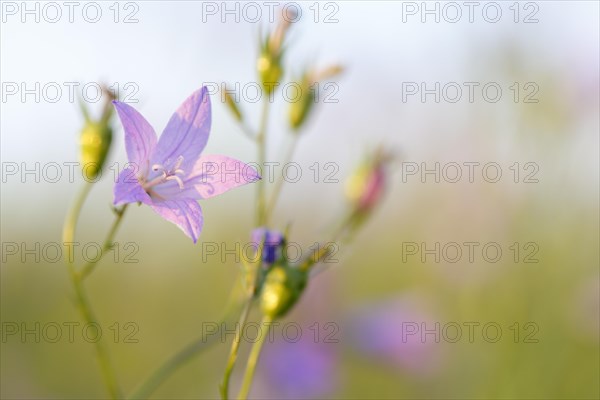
x=270, y=70
x=282, y=288
x=95, y=141
x=301, y=108
x=269, y=63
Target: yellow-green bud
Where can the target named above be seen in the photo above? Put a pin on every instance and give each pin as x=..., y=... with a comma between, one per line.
x=365, y=188
x=357, y=183
x=269, y=70
x=301, y=108
x=95, y=141
x=281, y=289
x=95, y=137
x=269, y=63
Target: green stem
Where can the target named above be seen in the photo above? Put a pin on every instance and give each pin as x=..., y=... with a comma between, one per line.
x=262, y=156
x=340, y=235
x=272, y=203
x=234, y=349
x=108, y=243
x=83, y=303
x=253, y=359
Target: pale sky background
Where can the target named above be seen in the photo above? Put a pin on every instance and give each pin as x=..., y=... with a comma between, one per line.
x=170, y=52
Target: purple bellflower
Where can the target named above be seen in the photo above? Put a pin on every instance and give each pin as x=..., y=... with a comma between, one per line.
x=169, y=175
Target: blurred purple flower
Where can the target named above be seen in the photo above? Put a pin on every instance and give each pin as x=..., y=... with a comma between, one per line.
x=392, y=331
x=270, y=241
x=170, y=176
x=300, y=370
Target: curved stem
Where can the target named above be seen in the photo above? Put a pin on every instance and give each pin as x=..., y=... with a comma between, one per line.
x=272, y=203
x=108, y=243
x=71, y=220
x=253, y=359
x=224, y=389
x=262, y=155
x=81, y=297
x=108, y=372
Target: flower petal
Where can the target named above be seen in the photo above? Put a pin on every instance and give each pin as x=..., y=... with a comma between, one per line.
x=211, y=175
x=187, y=132
x=186, y=214
x=128, y=190
x=140, y=138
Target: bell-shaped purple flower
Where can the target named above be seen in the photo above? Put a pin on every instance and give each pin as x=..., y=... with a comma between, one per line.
x=169, y=174
x=270, y=241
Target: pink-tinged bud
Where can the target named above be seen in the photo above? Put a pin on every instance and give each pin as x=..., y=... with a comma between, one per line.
x=365, y=188
x=329, y=72
x=373, y=189
x=275, y=40
x=270, y=60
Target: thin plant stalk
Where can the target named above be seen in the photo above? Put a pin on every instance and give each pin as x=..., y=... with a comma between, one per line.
x=262, y=156
x=272, y=203
x=253, y=359
x=108, y=242
x=83, y=303
x=234, y=349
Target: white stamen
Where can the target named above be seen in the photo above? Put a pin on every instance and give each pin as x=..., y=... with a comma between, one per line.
x=176, y=179
x=167, y=175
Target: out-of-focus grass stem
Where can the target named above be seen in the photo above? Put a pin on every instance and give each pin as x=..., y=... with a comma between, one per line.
x=253, y=359
x=261, y=141
x=224, y=388
x=272, y=203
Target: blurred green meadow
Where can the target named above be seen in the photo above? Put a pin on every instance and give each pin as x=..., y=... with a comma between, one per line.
x=399, y=314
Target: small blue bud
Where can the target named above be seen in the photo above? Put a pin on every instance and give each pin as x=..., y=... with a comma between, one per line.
x=269, y=242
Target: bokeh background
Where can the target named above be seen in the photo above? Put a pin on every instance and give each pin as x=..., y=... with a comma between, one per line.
x=368, y=295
